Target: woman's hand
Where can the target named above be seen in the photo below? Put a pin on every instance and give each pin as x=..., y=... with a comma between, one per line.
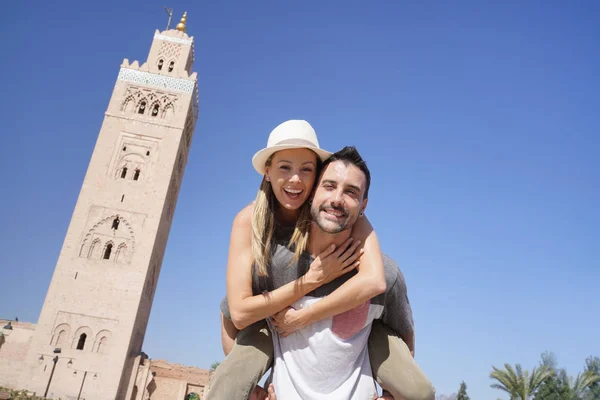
x=288, y=321
x=332, y=263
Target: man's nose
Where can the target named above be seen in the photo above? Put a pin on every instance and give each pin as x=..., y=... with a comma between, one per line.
x=336, y=197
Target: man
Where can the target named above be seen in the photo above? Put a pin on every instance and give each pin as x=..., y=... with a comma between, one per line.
x=330, y=358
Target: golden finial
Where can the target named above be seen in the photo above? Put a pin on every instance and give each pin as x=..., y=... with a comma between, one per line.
x=181, y=24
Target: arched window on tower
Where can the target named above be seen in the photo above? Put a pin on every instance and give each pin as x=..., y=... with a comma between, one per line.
x=92, y=252
x=107, y=251
x=142, y=107
x=171, y=66
x=61, y=339
x=155, y=110
x=115, y=224
x=81, y=342
x=136, y=176
x=124, y=172
x=160, y=64
x=102, y=344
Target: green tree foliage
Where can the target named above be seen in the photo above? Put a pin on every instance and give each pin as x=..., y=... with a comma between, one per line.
x=592, y=366
x=554, y=388
x=214, y=366
x=562, y=387
x=518, y=383
x=462, y=392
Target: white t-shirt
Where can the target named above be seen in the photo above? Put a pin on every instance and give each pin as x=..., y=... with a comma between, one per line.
x=326, y=360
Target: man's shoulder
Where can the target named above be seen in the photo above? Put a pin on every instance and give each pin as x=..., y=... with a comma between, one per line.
x=391, y=270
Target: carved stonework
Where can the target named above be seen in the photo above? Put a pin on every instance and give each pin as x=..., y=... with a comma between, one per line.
x=160, y=81
x=102, y=342
x=173, y=39
x=96, y=331
x=149, y=103
x=104, y=242
x=133, y=157
x=61, y=336
x=170, y=51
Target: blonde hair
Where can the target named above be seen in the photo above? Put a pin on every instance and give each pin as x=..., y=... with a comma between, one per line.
x=263, y=226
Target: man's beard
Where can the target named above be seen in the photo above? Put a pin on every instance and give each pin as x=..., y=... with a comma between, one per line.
x=331, y=226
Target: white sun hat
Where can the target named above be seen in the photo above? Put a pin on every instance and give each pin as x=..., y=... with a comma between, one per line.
x=292, y=134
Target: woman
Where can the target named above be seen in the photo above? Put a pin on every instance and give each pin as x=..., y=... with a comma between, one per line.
x=280, y=214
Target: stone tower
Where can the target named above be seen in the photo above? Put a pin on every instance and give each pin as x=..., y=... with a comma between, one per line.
x=92, y=325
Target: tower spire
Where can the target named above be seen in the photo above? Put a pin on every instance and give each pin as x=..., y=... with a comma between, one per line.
x=181, y=24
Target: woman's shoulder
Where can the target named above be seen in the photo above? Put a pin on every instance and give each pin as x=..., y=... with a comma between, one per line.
x=244, y=216
x=362, y=228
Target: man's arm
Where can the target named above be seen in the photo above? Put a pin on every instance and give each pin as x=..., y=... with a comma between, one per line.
x=228, y=334
x=397, y=313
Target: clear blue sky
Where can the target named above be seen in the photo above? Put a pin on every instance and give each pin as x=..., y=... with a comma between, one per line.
x=480, y=123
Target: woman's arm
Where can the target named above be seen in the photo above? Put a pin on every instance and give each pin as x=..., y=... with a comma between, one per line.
x=247, y=309
x=366, y=284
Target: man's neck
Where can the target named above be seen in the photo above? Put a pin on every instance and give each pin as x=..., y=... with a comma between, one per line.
x=319, y=240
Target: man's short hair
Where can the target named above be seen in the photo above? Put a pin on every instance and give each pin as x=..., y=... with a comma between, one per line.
x=349, y=155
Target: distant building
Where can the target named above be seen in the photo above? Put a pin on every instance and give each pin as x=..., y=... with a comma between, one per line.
x=88, y=340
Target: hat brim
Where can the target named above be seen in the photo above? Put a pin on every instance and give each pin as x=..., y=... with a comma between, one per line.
x=260, y=157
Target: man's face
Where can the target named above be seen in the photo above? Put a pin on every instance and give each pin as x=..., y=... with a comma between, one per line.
x=338, y=198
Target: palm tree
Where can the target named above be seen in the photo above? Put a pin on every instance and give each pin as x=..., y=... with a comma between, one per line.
x=581, y=383
x=518, y=383
x=214, y=366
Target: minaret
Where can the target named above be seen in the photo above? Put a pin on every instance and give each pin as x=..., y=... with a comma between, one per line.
x=93, y=322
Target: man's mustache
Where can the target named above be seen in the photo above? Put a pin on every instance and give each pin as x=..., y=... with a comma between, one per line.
x=334, y=208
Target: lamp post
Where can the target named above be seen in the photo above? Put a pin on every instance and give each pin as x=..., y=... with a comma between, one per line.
x=54, y=360
x=85, y=373
x=8, y=328
x=82, y=382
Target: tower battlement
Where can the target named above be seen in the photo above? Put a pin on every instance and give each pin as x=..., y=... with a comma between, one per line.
x=135, y=65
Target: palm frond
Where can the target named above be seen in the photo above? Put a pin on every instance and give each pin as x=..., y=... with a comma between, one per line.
x=498, y=386
x=507, y=379
x=583, y=381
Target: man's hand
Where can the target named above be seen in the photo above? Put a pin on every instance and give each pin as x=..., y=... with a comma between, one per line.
x=288, y=321
x=385, y=396
x=259, y=393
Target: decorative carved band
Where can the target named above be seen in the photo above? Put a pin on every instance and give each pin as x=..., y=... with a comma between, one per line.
x=172, y=39
x=161, y=81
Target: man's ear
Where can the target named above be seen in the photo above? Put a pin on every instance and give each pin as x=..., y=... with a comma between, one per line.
x=364, y=205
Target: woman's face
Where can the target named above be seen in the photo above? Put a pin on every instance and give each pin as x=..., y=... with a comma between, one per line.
x=292, y=174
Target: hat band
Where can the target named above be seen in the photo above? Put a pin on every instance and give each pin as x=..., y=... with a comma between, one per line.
x=296, y=142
